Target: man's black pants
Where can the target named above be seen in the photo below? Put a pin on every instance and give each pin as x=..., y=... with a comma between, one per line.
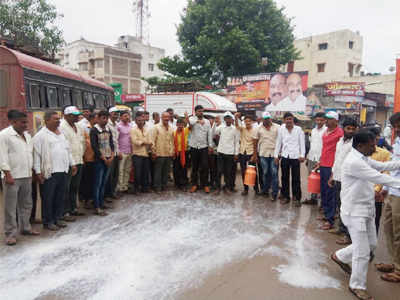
x=142, y=172
x=199, y=165
x=291, y=167
x=225, y=165
x=180, y=172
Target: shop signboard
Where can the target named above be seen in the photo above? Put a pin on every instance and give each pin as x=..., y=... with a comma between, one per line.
x=127, y=98
x=345, y=89
x=269, y=91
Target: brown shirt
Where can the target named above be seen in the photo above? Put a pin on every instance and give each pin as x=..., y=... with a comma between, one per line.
x=246, y=140
x=163, y=141
x=138, y=137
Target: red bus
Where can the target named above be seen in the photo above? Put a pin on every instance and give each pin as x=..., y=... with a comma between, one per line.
x=34, y=86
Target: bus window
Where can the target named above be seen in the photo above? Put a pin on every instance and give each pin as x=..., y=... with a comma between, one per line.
x=77, y=98
x=100, y=101
x=66, y=97
x=35, y=96
x=3, y=88
x=52, y=97
x=88, y=99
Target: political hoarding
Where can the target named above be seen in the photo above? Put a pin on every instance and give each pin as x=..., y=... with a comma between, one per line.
x=270, y=91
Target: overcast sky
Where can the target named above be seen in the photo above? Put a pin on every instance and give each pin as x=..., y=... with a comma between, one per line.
x=377, y=20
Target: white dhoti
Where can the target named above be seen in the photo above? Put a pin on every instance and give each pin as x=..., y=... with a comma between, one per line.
x=363, y=235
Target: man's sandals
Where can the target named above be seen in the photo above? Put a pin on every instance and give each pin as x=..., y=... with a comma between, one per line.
x=391, y=275
x=345, y=267
x=361, y=294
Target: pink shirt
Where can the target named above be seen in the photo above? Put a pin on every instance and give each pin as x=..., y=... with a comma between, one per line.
x=124, y=139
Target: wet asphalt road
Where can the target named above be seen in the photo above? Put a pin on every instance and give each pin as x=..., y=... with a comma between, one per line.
x=184, y=246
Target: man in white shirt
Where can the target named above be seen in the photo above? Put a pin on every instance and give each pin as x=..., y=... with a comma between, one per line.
x=343, y=148
x=85, y=123
x=359, y=174
x=52, y=159
x=200, y=146
x=290, y=148
x=16, y=163
x=315, y=149
x=228, y=151
x=76, y=139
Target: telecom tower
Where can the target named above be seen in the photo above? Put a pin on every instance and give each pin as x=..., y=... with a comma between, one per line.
x=142, y=12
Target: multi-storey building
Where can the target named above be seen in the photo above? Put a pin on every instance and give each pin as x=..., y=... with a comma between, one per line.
x=328, y=57
x=125, y=63
x=150, y=56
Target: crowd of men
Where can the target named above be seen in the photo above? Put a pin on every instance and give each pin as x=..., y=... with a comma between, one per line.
x=94, y=158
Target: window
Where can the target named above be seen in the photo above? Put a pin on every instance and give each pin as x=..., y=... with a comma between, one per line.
x=151, y=67
x=351, y=44
x=351, y=69
x=77, y=98
x=66, y=97
x=321, y=68
x=83, y=67
x=52, y=101
x=323, y=46
x=3, y=88
x=35, y=96
x=100, y=101
x=99, y=63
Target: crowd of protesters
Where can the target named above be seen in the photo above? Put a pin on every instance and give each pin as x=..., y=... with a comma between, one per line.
x=90, y=159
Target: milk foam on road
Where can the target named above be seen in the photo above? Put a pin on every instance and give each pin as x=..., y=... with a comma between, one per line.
x=147, y=250
x=305, y=257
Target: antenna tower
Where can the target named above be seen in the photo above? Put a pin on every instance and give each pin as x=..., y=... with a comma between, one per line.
x=142, y=13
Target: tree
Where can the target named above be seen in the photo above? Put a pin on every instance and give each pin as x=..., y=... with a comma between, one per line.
x=31, y=23
x=222, y=38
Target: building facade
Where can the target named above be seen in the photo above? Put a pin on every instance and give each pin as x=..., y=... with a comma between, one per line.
x=150, y=56
x=328, y=57
x=104, y=63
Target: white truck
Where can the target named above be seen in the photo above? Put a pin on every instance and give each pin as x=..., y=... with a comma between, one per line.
x=186, y=102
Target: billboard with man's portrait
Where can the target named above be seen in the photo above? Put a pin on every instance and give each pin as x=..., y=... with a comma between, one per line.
x=270, y=91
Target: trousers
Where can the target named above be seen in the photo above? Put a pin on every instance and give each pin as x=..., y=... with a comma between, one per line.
x=17, y=198
x=142, y=172
x=125, y=166
x=112, y=181
x=52, y=199
x=162, y=167
x=363, y=236
x=292, y=166
x=328, y=195
x=101, y=175
x=199, y=158
x=225, y=166
x=72, y=189
x=269, y=175
x=391, y=227
x=180, y=173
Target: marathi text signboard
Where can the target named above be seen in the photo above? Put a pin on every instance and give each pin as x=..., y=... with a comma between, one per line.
x=345, y=89
x=270, y=91
x=127, y=98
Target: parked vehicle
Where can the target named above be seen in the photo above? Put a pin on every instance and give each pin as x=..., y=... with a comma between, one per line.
x=186, y=102
x=35, y=86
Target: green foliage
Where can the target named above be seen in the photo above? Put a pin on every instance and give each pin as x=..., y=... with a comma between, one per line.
x=222, y=38
x=31, y=23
